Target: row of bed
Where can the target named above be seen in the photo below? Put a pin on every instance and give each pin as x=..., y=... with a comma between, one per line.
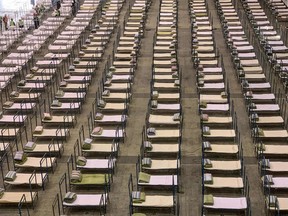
x=225, y=187
x=159, y=163
x=34, y=159
x=267, y=120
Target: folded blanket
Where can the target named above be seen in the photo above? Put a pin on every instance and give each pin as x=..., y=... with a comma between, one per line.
x=70, y=197
x=200, y=83
x=101, y=103
x=38, y=130
x=206, y=145
x=76, y=176
x=138, y=196
x=106, y=93
x=144, y=177
x=8, y=104
x=10, y=176
x=2, y=190
x=99, y=116
x=258, y=131
x=84, y=47
x=14, y=94
x=109, y=75
x=245, y=83
x=208, y=199
x=81, y=161
x=47, y=116
x=88, y=41
x=151, y=131
x=254, y=116
x=175, y=75
x=252, y=106
x=208, y=178
x=20, y=157
x=97, y=131
x=261, y=146
x=22, y=83
x=112, y=69
x=249, y=94
x=29, y=145
x=81, y=53
x=67, y=76
x=206, y=130
x=207, y=163
x=147, y=145
x=146, y=162
x=201, y=75
x=154, y=103
x=56, y=103
x=87, y=144
x=155, y=94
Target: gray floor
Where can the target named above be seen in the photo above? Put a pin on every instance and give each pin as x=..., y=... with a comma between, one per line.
x=190, y=191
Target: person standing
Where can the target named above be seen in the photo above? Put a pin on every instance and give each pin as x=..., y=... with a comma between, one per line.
x=5, y=20
x=36, y=20
x=20, y=23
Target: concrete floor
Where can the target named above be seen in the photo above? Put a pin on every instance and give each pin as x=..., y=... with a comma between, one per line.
x=190, y=188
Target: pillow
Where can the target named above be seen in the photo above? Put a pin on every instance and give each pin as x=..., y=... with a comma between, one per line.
x=207, y=163
x=22, y=83
x=87, y=144
x=177, y=82
x=56, y=103
x=224, y=94
x=38, y=130
x=206, y=145
x=254, y=116
x=88, y=41
x=138, y=196
x=76, y=176
x=249, y=94
x=81, y=53
x=47, y=116
x=81, y=161
x=154, y=103
x=8, y=104
x=29, y=76
x=175, y=75
x=203, y=104
x=97, y=131
x=14, y=94
x=201, y=75
x=10, y=176
x=70, y=197
x=71, y=68
x=200, y=83
x=147, y=145
x=84, y=47
x=272, y=200
x=1, y=192
x=208, y=199
x=174, y=68
x=265, y=163
x=146, y=162
x=176, y=117
x=29, y=145
x=106, y=93
x=99, y=116
x=173, y=54
x=112, y=69
x=155, y=94
x=206, y=130
x=63, y=84
x=67, y=76
x=34, y=69
x=59, y=93
x=204, y=117
x=76, y=61
x=151, y=131
x=144, y=177
x=268, y=179
x=109, y=75
x=107, y=82
x=101, y=103
x=208, y=178
x=252, y=106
